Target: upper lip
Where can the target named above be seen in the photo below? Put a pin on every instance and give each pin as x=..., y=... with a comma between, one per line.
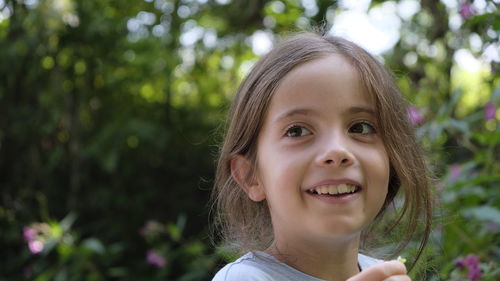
x=334, y=182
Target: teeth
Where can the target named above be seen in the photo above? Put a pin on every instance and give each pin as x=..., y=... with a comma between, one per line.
x=342, y=188
x=332, y=190
x=322, y=190
x=335, y=189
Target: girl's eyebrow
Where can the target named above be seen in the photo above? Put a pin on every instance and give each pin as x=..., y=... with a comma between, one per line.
x=306, y=111
x=295, y=111
x=361, y=109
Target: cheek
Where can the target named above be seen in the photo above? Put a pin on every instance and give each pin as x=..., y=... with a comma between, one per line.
x=280, y=169
x=377, y=169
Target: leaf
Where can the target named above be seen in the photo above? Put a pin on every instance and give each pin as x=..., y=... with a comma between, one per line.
x=67, y=222
x=195, y=248
x=49, y=246
x=483, y=213
x=181, y=222
x=118, y=272
x=496, y=93
x=174, y=231
x=94, y=245
x=485, y=19
x=458, y=125
x=487, y=139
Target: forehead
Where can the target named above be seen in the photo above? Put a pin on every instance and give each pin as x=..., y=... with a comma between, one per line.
x=326, y=83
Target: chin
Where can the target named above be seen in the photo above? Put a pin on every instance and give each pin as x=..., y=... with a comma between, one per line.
x=341, y=231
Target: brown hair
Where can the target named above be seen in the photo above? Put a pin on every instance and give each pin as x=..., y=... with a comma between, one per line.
x=245, y=224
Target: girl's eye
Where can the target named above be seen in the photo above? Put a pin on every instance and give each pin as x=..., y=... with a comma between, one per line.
x=297, y=131
x=362, y=128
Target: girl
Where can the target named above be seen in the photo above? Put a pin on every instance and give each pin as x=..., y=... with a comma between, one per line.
x=318, y=146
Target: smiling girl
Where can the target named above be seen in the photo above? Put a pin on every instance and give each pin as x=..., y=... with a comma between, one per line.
x=318, y=146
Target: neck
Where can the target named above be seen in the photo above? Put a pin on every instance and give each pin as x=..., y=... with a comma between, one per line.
x=329, y=260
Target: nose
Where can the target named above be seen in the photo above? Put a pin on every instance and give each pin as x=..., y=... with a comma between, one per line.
x=335, y=154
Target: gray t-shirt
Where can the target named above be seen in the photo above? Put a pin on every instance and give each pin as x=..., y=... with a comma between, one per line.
x=260, y=266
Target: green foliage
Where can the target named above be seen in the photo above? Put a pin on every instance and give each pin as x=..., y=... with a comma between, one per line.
x=111, y=113
x=468, y=211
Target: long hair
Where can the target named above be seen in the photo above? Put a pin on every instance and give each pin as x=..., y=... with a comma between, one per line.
x=246, y=225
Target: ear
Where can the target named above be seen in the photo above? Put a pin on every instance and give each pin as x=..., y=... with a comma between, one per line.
x=241, y=170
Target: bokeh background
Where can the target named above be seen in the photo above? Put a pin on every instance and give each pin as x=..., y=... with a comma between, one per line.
x=111, y=113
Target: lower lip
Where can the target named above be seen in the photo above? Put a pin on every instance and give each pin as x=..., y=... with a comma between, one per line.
x=338, y=199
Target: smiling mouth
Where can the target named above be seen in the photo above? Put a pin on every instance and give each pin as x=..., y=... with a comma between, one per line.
x=334, y=190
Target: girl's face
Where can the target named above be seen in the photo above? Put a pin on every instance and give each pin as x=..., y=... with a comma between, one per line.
x=321, y=163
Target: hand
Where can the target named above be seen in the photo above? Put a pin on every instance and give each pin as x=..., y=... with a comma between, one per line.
x=386, y=271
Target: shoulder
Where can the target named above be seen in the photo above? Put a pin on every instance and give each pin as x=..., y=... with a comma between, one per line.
x=366, y=261
x=246, y=268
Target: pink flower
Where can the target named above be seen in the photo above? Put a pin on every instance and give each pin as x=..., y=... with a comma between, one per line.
x=471, y=262
x=415, y=116
x=459, y=263
x=454, y=172
x=29, y=233
x=489, y=111
x=155, y=259
x=474, y=274
x=30, y=236
x=492, y=227
x=35, y=246
x=466, y=10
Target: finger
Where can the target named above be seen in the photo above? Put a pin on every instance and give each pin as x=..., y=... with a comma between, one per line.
x=398, y=278
x=380, y=272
